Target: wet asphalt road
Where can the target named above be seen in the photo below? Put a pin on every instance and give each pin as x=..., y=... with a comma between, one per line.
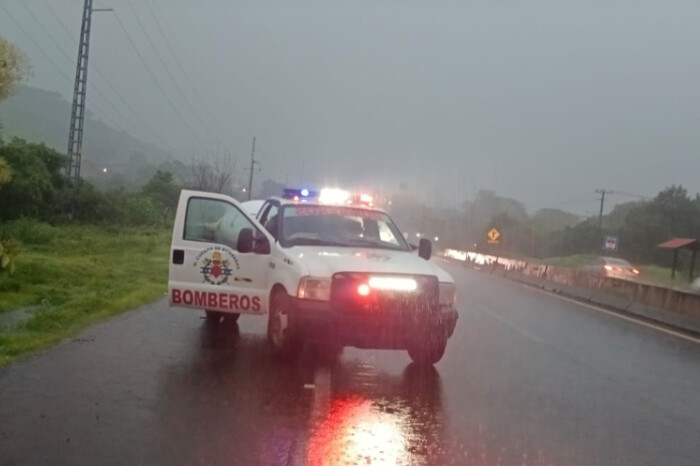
x=528, y=379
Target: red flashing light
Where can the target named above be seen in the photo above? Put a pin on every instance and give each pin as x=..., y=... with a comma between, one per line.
x=363, y=290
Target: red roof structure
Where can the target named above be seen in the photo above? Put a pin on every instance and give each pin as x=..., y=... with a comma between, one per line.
x=682, y=243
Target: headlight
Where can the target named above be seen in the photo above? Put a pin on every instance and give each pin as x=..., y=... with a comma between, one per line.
x=318, y=289
x=448, y=294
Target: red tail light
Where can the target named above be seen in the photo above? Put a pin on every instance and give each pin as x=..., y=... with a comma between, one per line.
x=635, y=271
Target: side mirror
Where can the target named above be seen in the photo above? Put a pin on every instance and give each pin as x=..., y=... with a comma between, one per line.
x=425, y=248
x=245, y=241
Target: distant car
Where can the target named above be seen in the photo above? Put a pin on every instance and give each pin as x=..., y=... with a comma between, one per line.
x=613, y=267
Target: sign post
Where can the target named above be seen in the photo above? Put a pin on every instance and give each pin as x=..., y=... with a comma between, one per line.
x=610, y=243
x=494, y=237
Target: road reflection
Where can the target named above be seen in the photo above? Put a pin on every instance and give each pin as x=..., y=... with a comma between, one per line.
x=377, y=418
x=227, y=401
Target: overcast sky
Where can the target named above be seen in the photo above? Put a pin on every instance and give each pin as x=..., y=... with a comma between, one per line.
x=543, y=101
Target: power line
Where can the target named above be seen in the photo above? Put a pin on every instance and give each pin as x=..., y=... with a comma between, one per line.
x=155, y=80
x=145, y=124
x=182, y=68
x=194, y=70
x=96, y=108
x=53, y=63
x=93, y=86
x=167, y=70
x=36, y=44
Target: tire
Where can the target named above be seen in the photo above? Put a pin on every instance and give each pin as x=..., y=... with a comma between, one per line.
x=215, y=317
x=283, y=343
x=430, y=350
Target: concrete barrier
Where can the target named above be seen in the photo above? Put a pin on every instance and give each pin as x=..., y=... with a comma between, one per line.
x=672, y=307
x=665, y=305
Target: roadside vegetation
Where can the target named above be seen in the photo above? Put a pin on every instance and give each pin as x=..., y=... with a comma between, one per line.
x=69, y=257
x=74, y=253
x=70, y=276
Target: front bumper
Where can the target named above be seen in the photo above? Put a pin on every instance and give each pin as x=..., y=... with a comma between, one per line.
x=316, y=321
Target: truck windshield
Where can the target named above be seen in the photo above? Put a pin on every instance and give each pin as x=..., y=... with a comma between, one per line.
x=318, y=225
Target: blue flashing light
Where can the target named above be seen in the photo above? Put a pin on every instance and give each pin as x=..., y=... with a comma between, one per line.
x=299, y=194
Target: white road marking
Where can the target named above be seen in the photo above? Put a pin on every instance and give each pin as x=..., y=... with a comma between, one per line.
x=619, y=316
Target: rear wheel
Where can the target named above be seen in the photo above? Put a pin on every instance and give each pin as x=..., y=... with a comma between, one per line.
x=430, y=350
x=215, y=317
x=282, y=341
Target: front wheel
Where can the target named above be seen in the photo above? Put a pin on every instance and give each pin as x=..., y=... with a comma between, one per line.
x=428, y=351
x=282, y=341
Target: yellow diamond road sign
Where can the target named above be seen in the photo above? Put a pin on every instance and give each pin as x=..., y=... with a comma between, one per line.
x=494, y=236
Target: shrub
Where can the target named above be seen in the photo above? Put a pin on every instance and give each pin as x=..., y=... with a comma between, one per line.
x=9, y=249
x=29, y=231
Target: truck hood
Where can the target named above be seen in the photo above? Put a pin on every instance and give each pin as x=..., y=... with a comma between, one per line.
x=324, y=261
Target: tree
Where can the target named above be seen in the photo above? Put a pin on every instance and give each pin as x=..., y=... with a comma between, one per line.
x=671, y=214
x=5, y=171
x=162, y=190
x=14, y=68
x=218, y=178
x=34, y=189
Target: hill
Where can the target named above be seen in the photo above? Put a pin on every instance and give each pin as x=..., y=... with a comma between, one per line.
x=38, y=115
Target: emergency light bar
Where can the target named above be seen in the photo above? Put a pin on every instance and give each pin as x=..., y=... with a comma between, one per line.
x=334, y=196
x=331, y=196
x=299, y=194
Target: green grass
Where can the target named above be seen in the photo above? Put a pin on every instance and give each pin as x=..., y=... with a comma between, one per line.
x=72, y=276
x=662, y=276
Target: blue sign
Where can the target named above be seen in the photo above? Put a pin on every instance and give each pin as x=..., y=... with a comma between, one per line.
x=610, y=243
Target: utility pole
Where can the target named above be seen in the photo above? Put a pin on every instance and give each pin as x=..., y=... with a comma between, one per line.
x=77, y=116
x=602, y=193
x=252, y=169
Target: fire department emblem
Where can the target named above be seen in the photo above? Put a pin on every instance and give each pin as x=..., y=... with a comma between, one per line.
x=216, y=264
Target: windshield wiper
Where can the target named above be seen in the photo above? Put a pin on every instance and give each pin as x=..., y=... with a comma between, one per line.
x=314, y=242
x=374, y=244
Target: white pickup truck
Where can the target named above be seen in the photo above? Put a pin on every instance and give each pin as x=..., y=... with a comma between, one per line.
x=324, y=272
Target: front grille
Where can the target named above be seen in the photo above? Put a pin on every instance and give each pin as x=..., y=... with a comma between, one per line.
x=346, y=299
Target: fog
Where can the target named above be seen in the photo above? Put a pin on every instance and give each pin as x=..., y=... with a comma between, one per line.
x=543, y=101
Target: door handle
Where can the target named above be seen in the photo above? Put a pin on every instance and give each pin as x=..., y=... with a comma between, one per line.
x=178, y=256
